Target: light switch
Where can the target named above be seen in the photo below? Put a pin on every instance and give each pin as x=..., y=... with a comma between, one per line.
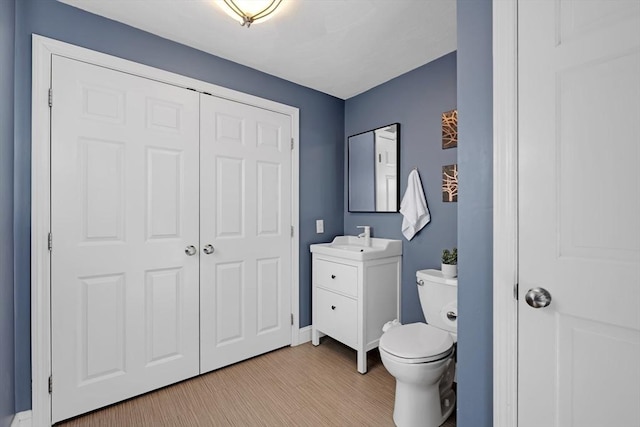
x=319, y=226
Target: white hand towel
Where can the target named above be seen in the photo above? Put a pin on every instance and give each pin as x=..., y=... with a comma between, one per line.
x=414, y=207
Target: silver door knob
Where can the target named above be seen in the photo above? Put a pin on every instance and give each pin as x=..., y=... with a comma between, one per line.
x=538, y=297
x=190, y=250
x=208, y=249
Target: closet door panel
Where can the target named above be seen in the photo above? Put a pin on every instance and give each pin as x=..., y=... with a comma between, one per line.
x=124, y=196
x=245, y=284
x=229, y=197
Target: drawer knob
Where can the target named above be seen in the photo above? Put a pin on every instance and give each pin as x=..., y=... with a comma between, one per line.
x=333, y=276
x=333, y=307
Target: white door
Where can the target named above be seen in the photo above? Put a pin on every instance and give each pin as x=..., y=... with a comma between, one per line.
x=124, y=197
x=245, y=190
x=386, y=170
x=579, y=213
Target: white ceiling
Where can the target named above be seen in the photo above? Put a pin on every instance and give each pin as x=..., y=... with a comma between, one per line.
x=339, y=47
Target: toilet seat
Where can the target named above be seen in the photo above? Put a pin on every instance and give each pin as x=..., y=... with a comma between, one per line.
x=416, y=343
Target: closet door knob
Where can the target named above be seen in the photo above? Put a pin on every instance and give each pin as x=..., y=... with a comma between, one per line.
x=190, y=250
x=333, y=307
x=208, y=249
x=333, y=276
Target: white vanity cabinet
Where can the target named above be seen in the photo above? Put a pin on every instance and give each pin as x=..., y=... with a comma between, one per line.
x=353, y=299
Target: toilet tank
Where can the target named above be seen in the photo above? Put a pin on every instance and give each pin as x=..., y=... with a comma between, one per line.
x=439, y=299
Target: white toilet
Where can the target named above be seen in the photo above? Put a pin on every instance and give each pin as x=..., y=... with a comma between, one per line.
x=421, y=356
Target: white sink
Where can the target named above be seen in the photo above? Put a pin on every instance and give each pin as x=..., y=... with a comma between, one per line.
x=352, y=247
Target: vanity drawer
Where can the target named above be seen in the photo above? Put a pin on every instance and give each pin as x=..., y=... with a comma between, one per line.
x=339, y=277
x=336, y=316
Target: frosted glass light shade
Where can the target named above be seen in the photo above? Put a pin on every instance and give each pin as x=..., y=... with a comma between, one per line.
x=249, y=11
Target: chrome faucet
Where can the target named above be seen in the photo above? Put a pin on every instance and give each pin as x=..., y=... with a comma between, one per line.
x=366, y=234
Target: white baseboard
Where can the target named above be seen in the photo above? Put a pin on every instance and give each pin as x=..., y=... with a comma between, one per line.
x=22, y=419
x=304, y=335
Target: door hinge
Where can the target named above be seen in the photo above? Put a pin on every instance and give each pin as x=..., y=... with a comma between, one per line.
x=50, y=384
x=292, y=143
x=50, y=242
x=50, y=97
x=291, y=319
x=515, y=292
x=292, y=232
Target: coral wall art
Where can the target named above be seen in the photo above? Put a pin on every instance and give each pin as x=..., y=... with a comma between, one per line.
x=450, y=129
x=450, y=183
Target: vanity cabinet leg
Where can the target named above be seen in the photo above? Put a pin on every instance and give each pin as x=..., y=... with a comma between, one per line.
x=315, y=336
x=362, y=362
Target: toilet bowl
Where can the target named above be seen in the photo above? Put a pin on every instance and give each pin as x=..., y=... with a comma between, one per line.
x=421, y=356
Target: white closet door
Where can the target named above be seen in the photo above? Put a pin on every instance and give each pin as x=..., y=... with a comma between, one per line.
x=124, y=207
x=245, y=190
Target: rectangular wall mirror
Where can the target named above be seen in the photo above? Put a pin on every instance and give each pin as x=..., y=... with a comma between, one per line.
x=373, y=168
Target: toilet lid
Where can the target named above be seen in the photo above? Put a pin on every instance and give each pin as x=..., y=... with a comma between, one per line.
x=416, y=341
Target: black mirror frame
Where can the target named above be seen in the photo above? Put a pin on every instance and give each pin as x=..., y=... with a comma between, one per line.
x=397, y=170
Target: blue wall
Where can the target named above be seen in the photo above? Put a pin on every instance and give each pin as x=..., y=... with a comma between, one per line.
x=416, y=100
x=475, y=212
x=7, y=28
x=362, y=172
x=321, y=136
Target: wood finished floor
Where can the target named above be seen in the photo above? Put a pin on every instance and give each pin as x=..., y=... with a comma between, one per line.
x=293, y=386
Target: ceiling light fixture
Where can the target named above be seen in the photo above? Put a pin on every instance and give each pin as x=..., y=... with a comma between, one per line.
x=250, y=11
